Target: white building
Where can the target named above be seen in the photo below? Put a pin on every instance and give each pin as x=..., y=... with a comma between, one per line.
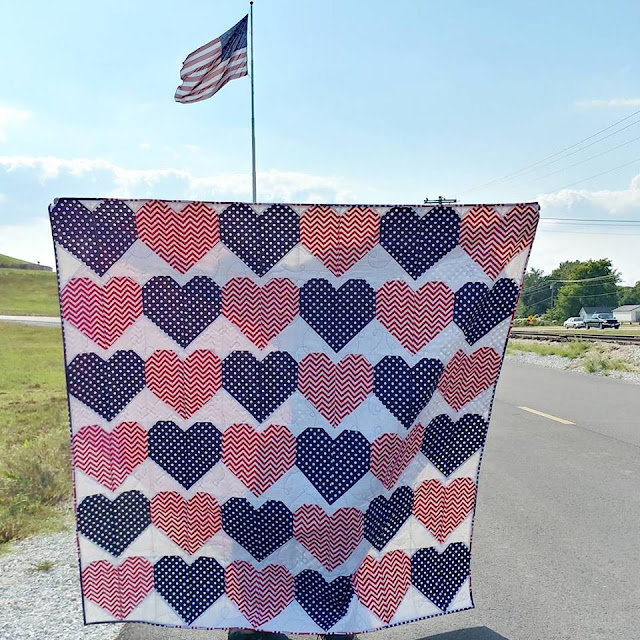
x=627, y=313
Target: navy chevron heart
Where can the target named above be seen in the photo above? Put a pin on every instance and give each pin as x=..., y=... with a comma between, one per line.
x=447, y=444
x=439, y=576
x=185, y=455
x=332, y=466
x=406, y=390
x=337, y=315
x=418, y=242
x=100, y=237
x=113, y=525
x=384, y=518
x=106, y=386
x=259, y=240
x=325, y=602
x=260, y=386
x=260, y=531
x=190, y=589
x=478, y=309
x=182, y=312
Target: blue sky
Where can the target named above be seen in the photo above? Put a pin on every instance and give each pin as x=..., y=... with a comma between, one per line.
x=355, y=102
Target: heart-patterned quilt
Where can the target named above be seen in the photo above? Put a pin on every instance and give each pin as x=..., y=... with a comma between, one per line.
x=278, y=411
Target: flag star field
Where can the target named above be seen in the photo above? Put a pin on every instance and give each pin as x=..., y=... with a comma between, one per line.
x=278, y=411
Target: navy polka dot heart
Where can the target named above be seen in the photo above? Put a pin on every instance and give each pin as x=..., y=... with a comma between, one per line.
x=325, y=601
x=190, y=589
x=100, y=237
x=478, y=309
x=186, y=455
x=439, y=576
x=106, y=386
x=406, y=390
x=384, y=517
x=114, y=524
x=333, y=466
x=260, y=531
x=337, y=315
x=260, y=386
x=418, y=242
x=448, y=444
x=260, y=241
x=182, y=312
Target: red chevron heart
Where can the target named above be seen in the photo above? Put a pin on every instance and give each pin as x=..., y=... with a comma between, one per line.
x=259, y=594
x=109, y=457
x=261, y=313
x=102, y=313
x=118, y=590
x=493, y=240
x=180, y=238
x=390, y=454
x=382, y=584
x=185, y=385
x=467, y=376
x=331, y=538
x=258, y=459
x=339, y=241
x=189, y=523
x=414, y=317
x=335, y=389
x=441, y=509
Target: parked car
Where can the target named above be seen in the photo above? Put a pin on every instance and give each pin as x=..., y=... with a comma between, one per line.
x=574, y=323
x=602, y=321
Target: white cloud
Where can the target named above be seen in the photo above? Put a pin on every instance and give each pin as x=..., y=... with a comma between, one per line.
x=611, y=102
x=10, y=116
x=274, y=185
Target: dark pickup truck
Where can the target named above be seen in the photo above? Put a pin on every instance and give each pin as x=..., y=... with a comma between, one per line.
x=602, y=321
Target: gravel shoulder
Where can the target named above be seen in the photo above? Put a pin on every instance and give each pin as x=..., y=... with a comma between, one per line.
x=45, y=604
x=629, y=354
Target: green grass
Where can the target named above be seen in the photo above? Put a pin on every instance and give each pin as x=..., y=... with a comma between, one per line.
x=573, y=350
x=35, y=476
x=28, y=293
x=45, y=565
x=8, y=261
x=593, y=358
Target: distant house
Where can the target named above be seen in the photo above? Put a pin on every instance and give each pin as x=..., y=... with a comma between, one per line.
x=587, y=312
x=628, y=313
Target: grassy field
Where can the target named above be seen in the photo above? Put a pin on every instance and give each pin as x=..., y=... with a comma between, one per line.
x=28, y=293
x=34, y=437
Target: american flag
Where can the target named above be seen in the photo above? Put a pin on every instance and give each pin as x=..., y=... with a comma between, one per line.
x=206, y=70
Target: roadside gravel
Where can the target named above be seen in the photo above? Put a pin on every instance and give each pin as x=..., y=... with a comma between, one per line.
x=44, y=604
x=631, y=354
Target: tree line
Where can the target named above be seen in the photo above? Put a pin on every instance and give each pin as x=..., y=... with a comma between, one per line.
x=572, y=285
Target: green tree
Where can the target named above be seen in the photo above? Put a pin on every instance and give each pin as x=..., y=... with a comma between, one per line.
x=585, y=292
x=536, y=295
x=629, y=295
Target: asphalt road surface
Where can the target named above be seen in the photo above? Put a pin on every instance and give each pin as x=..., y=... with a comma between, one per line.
x=556, y=547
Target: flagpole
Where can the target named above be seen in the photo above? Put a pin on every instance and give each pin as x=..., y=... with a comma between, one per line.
x=253, y=119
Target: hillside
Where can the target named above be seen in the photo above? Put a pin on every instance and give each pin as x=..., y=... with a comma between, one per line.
x=7, y=262
x=25, y=292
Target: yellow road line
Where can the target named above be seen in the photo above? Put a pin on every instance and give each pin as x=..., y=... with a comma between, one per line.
x=546, y=415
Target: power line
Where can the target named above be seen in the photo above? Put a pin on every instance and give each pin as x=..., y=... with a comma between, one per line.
x=597, y=175
x=591, y=219
x=554, y=173
x=553, y=155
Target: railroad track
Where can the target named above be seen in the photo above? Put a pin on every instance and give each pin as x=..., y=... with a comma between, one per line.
x=557, y=336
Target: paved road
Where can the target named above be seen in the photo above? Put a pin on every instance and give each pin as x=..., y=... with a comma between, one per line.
x=40, y=321
x=556, y=553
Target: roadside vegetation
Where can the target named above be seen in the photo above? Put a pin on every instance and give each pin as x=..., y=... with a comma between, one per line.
x=35, y=480
x=586, y=356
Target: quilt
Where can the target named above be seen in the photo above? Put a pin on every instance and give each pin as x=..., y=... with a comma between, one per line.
x=278, y=411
